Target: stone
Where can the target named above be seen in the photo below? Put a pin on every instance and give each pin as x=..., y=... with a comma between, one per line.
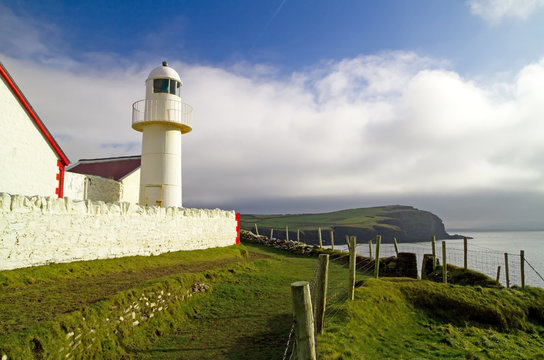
x=18, y=204
x=407, y=265
x=5, y=202
x=427, y=266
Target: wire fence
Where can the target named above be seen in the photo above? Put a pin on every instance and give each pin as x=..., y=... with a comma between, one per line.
x=290, y=347
x=337, y=294
x=490, y=262
x=480, y=259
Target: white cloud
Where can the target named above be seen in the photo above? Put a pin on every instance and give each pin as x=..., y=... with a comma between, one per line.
x=494, y=11
x=388, y=124
x=393, y=123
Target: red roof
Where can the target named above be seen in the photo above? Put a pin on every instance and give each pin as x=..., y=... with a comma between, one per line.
x=37, y=121
x=112, y=168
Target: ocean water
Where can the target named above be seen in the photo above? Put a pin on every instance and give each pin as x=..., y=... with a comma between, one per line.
x=485, y=253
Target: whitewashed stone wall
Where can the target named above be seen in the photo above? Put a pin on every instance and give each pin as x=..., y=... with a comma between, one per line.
x=91, y=187
x=41, y=230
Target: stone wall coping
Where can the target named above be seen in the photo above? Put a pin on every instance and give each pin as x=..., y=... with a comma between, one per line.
x=52, y=205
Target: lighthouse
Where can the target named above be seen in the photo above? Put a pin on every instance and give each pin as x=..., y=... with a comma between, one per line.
x=162, y=118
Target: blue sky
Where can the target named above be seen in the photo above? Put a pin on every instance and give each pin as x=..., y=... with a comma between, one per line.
x=305, y=106
x=289, y=35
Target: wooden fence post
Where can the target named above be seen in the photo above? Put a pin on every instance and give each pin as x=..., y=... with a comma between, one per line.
x=522, y=262
x=256, y=230
x=298, y=235
x=271, y=234
x=498, y=273
x=506, y=272
x=320, y=238
x=287, y=233
x=433, y=244
x=465, y=259
x=370, y=249
x=321, y=299
x=377, y=259
x=332, y=240
x=396, y=246
x=444, y=263
x=304, y=320
x=352, y=266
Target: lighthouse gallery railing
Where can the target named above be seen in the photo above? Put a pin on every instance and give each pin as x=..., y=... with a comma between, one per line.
x=163, y=110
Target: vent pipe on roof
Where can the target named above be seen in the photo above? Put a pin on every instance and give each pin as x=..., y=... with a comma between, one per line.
x=164, y=63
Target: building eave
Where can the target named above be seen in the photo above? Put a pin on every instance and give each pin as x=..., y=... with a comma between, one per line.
x=33, y=115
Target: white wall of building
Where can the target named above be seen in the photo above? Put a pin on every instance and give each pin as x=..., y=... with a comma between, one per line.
x=28, y=164
x=75, y=186
x=96, y=188
x=131, y=187
x=41, y=230
x=91, y=187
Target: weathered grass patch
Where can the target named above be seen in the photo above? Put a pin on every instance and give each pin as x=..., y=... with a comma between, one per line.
x=403, y=319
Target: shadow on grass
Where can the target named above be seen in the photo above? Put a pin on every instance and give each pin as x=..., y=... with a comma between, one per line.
x=269, y=344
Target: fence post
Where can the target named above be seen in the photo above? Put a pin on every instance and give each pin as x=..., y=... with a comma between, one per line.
x=298, y=235
x=396, y=246
x=370, y=249
x=320, y=238
x=256, y=230
x=352, y=266
x=287, y=233
x=444, y=263
x=332, y=240
x=322, y=283
x=377, y=259
x=506, y=272
x=465, y=245
x=498, y=273
x=433, y=244
x=271, y=234
x=522, y=261
x=304, y=321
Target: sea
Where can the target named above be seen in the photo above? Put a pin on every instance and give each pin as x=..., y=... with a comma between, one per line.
x=486, y=252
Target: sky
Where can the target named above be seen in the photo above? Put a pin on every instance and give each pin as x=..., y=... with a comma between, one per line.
x=307, y=106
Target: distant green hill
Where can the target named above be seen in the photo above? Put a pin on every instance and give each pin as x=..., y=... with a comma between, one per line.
x=406, y=223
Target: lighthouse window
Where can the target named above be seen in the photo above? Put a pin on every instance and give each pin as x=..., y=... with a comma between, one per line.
x=161, y=85
x=174, y=87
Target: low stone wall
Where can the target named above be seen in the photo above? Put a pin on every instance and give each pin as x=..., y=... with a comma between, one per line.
x=40, y=230
x=402, y=266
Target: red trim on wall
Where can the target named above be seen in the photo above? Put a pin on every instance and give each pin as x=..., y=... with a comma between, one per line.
x=60, y=177
x=237, y=228
x=35, y=118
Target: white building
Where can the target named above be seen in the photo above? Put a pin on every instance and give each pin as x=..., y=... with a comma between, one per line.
x=31, y=161
x=162, y=118
x=115, y=179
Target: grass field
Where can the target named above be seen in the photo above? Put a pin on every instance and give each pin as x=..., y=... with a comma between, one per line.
x=363, y=218
x=75, y=311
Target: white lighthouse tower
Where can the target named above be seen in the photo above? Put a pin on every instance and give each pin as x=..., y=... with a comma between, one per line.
x=162, y=118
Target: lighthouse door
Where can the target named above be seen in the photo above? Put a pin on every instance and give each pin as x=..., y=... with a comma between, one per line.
x=153, y=195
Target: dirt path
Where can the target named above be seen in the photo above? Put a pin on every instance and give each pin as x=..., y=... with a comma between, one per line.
x=28, y=305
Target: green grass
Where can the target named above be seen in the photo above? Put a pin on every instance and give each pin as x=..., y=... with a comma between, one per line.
x=362, y=218
x=33, y=295
x=410, y=319
x=247, y=311
x=85, y=269
x=245, y=317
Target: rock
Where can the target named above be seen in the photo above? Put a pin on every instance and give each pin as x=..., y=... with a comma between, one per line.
x=407, y=265
x=427, y=266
